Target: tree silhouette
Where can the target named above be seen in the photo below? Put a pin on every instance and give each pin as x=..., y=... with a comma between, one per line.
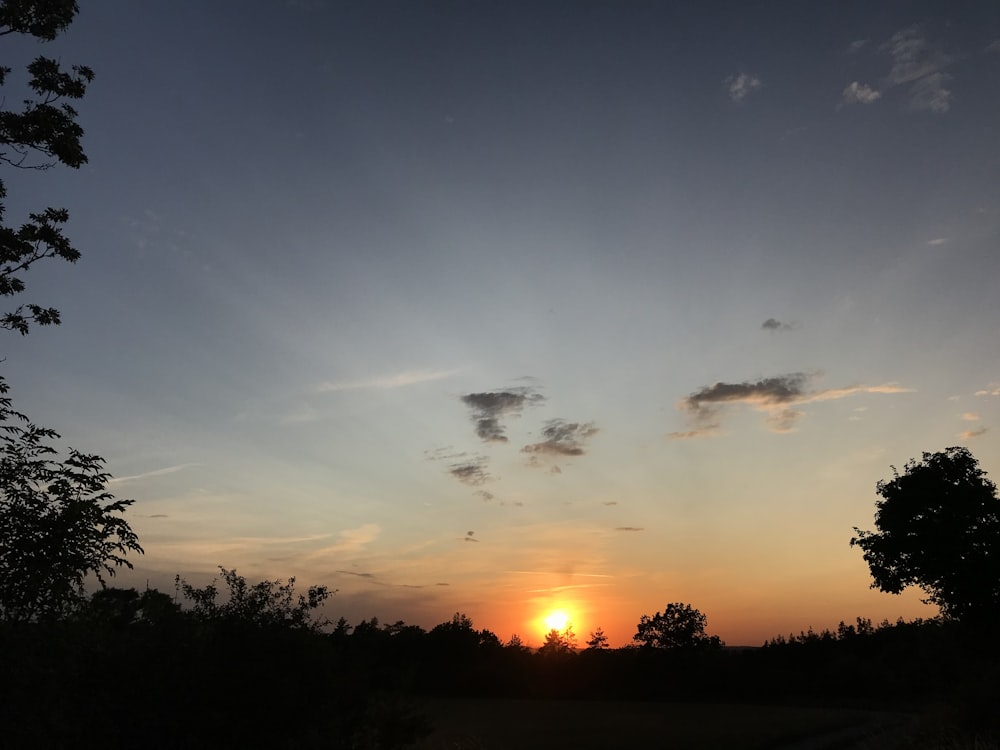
x=559, y=642
x=938, y=528
x=598, y=641
x=58, y=522
x=678, y=626
x=263, y=604
x=38, y=136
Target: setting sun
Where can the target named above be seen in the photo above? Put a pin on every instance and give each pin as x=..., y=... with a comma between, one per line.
x=557, y=620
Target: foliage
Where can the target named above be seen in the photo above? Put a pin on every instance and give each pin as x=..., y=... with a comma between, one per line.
x=678, y=626
x=59, y=522
x=263, y=604
x=559, y=642
x=598, y=641
x=43, y=132
x=938, y=527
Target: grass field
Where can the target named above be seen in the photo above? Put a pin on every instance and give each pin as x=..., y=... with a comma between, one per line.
x=599, y=725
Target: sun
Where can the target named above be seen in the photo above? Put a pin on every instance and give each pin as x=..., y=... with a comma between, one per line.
x=557, y=619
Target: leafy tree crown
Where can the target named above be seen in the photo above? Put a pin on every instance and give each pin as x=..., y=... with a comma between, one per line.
x=938, y=527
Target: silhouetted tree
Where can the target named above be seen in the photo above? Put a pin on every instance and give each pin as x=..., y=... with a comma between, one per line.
x=938, y=528
x=678, y=626
x=41, y=134
x=598, y=641
x=559, y=642
x=265, y=604
x=58, y=522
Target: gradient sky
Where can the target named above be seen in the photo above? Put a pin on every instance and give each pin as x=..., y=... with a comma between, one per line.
x=501, y=307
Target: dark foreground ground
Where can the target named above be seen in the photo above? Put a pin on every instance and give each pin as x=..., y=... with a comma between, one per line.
x=600, y=725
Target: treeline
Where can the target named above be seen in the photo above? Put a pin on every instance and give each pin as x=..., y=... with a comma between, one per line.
x=256, y=667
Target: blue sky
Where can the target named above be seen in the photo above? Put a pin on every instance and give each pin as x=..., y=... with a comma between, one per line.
x=707, y=269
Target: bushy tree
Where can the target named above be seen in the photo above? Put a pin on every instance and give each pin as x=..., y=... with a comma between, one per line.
x=938, y=527
x=678, y=626
x=42, y=133
x=263, y=604
x=559, y=642
x=58, y=522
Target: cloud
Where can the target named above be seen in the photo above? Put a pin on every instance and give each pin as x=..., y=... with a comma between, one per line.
x=916, y=63
x=783, y=420
x=938, y=241
x=353, y=573
x=856, y=46
x=860, y=93
x=563, y=438
x=776, y=396
x=773, y=324
x=993, y=389
x=150, y=474
x=993, y=46
x=469, y=537
x=741, y=86
x=472, y=471
x=486, y=496
x=489, y=408
x=972, y=434
x=929, y=93
x=710, y=430
x=970, y=416
x=610, y=502
x=629, y=528
x=350, y=541
x=399, y=380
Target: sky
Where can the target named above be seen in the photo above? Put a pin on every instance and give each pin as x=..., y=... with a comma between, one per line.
x=506, y=308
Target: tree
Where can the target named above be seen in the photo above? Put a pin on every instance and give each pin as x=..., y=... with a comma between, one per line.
x=678, y=626
x=58, y=522
x=559, y=642
x=598, y=641
x=42, y=133
x=264, y=604
x=938, y=527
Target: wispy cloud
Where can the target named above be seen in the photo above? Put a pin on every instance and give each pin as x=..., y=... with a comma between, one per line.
x=563, y=438
x=993, y=46
x=150, y=474
x=740, y=86
x=856, y=46
x=776, y=396
x=355, y=573
x=973, y=434
x=970, y=416
x=399, y=380
x=489, y=408
x=859, y=93
x=919, y=64
x=773, y=324
x=993, y=389
x=471, y=471
x=350, y=541
x=937, y=241
x=629, y=528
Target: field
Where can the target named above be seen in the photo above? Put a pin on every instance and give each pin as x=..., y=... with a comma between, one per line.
x=598, y=725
